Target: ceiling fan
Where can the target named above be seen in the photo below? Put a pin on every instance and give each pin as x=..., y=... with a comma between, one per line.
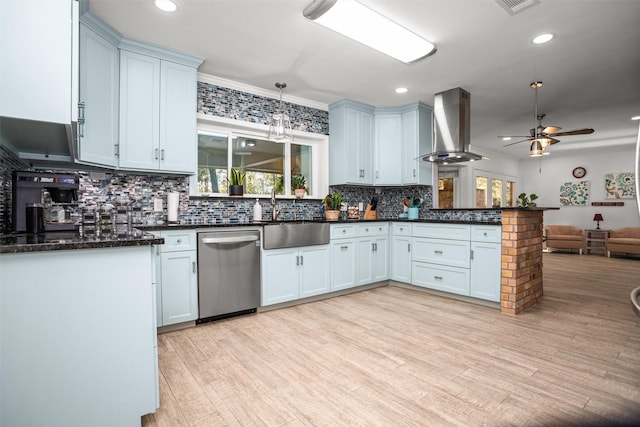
x=541, y=137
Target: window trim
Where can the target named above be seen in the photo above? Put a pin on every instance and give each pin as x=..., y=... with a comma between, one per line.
x=491, y=176
x=318, y=142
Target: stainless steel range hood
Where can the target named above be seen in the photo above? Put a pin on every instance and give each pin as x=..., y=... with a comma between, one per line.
x=452, y=123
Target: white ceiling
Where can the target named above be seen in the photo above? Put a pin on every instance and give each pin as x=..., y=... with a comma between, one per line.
x=591, y=70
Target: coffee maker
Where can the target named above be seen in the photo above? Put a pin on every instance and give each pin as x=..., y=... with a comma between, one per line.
x=57, y=192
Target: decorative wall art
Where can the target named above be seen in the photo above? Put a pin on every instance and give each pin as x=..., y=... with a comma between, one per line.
x=620, y=185
x=574, y=193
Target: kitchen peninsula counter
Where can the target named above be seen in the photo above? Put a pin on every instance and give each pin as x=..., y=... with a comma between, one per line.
x=70, y=240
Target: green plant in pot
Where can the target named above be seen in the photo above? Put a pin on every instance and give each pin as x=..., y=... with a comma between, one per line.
x=299, y=185
x=236, y=183
x=332, y=204
x=525, y=201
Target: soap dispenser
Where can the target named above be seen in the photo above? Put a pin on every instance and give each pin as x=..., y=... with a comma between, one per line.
x=257, y=211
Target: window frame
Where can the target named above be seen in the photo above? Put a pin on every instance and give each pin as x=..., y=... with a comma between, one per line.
x=319, y=144
x=491, y=176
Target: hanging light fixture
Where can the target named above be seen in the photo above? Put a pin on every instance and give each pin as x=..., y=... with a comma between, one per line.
x=280, y=125
x=536, y=149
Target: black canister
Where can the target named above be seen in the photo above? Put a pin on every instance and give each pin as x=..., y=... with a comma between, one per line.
x=34, y=218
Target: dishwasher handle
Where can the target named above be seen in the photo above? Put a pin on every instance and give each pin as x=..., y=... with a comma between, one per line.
x=229, y=240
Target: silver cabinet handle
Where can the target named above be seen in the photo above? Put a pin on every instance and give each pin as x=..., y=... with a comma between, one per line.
x=414, y=173
x=81, y=107
x=179, y=241
x=485, y=234
x=437, y=252
x=162, y=154
x=301, y=259
x=193, y=264
x=344, y=231
x=155, y=156
x=437, y=277
x=408, y=247
x=116, y=149
x=344, y=248
x=222, y=240
x=471, y=254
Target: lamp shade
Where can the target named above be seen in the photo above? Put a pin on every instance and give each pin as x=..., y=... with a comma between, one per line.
x=598, y=217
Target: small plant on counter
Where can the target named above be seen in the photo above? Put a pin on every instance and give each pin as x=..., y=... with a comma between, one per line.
x=237, y=177
x=527, y=201
x=333, y=201
x=299, y=185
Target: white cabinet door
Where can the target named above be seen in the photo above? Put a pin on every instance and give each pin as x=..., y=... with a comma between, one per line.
x=351, y=143
x=179, y=286
x=279, y=276
x=417, y=139
x=388, y=135
x=485, y=270
x=139, y=111
x=36, y=70
x=380, y=258
x=314, y=270
x=364, y=268
x=401, y=259
x=178, y=128
x=99, y=76
x=343, y=264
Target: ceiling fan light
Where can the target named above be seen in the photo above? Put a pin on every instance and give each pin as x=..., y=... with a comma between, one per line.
x=536, y=150
x=364, y=25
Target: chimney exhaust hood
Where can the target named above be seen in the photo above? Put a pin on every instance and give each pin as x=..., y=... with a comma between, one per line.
x=452, y=128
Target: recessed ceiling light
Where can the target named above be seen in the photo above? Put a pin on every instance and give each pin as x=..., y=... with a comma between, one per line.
x=166, y=5
x=635, y=118
x=542, y=38
x=402, y=90
x=506, y=138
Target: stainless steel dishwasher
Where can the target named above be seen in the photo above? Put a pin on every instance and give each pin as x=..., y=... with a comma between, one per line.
x=228, y=273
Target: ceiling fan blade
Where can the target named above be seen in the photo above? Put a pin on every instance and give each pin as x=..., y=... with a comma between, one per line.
x=517, y=142
x=551, y=129
x=573, y=132
x=513, y=136
x=553, y=141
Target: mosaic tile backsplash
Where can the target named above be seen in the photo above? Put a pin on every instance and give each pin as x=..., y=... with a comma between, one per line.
x=8, y=163
x=233, y=104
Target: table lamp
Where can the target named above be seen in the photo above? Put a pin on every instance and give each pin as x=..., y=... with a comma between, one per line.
x=598, y=217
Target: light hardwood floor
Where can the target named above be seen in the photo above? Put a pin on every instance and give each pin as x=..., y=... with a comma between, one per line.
x=397, y=357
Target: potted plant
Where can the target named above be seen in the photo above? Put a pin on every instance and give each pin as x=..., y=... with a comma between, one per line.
x=236, y=181
x=524, y=201
x=332, y=204
x=299, y=185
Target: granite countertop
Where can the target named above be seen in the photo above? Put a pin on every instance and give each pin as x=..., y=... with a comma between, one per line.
x=66, y=240
x=262, y=223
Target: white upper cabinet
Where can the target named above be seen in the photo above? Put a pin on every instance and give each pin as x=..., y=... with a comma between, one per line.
x=388, y=157
x=158, y=102
x=38, y=60
x=417, y=139
x=99, y=76
x=351, y=127
x=382, y=154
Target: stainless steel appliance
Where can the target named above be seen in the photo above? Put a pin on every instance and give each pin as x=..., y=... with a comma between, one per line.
x=228, y=273
x=57, y=192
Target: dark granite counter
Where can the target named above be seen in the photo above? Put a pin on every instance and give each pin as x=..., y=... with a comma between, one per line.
x=152, y=228
x=68, y=240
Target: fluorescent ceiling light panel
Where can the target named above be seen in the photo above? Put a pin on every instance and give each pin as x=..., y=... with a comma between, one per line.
x=364, y=25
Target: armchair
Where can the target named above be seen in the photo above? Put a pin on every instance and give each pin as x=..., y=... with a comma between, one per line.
x=564, y=237
x=625, y=240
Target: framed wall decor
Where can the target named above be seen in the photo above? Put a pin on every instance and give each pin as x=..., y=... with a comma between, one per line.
x=620, y=185
x=574, y=193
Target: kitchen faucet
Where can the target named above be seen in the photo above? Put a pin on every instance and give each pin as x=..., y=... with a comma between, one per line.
x=274, y=212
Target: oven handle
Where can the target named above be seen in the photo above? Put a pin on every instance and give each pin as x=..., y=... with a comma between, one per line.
x=227, y=240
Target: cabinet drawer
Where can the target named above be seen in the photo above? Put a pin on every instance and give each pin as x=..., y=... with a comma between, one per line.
x=343, y=231
x=445, y=252
x=442, y=231
x=486, y=233
x=373, y=229
x=401, y=229
x=178, y=240
x=442, y=278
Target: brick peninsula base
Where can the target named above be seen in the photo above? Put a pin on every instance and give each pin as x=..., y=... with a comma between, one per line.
x=521, y=281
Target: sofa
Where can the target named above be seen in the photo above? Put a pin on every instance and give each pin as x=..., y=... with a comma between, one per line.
x=625, y=240
x=563, y=237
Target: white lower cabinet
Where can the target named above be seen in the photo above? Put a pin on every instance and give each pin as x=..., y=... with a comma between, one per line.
x=343, y=264
x=292, y=273
x=400, y=265
x=177, y=294
x=372, y=263
x=458, y=258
